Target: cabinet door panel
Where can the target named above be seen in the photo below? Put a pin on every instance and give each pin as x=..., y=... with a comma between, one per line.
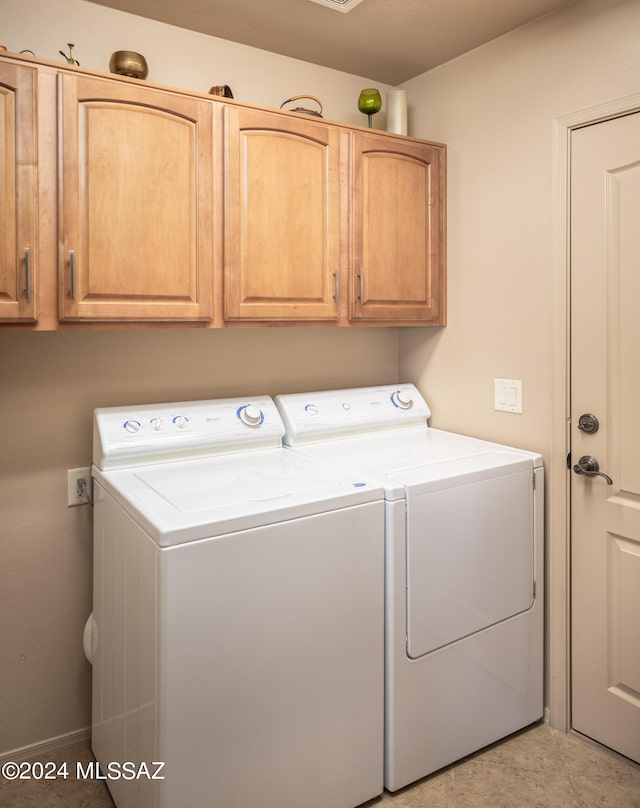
x=136, y=203
x=398, y=230
x=281, y=217
x=18, y=192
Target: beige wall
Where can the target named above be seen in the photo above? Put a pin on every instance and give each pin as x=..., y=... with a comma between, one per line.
x=50, y=382
x=177, y=57
x=493, y=107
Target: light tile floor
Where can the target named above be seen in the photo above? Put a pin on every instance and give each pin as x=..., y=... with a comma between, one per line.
x=536, y=768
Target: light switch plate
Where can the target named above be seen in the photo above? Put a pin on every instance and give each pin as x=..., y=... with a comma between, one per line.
x=508, y=395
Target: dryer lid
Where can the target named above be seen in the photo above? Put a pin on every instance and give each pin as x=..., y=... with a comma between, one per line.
x=404, y=457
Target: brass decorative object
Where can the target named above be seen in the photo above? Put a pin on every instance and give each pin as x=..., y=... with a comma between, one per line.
x=222, y=90
x=129, y=63
x=70, y=60
x=316, y=112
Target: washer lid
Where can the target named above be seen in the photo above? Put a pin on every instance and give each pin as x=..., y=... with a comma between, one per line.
x=195, y=499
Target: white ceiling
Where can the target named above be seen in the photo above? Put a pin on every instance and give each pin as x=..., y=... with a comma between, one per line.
x=390, y=41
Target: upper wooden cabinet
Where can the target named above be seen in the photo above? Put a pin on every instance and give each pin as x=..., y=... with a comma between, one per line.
x=293, y=186
x=124, y=201
x=135, y=189
x=397, y=263
x=281, y=248
x=18, y=192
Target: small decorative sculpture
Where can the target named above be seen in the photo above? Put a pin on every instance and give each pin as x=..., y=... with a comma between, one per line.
x=69, y=58
x=223, y=90
x=369, y=103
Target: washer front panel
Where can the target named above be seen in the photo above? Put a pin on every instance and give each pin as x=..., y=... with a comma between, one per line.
x=252, y=663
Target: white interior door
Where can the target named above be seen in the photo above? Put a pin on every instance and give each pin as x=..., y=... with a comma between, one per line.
x=605, y=383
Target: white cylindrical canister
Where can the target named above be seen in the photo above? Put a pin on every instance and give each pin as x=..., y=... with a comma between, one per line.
x=397, y=112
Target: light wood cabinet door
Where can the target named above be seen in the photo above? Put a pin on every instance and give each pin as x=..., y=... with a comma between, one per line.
x=281, y=259
x=18, y=192
x=397, y=259
x=136, y=196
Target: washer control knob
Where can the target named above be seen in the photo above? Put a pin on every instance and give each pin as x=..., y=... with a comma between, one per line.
x=401, y=400
x=250, y=415
x=157, y=424
x=132, y=426
x=312, y=409
x=181, y=421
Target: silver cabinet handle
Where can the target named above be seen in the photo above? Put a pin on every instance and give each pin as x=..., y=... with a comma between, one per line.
x=27, y=273
x=361, y=276
x=336, y=296
x=72, y=274
x=590, y=467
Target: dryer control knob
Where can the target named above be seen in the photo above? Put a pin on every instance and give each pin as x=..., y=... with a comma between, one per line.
x=132, y=426
x=157, y=424
x=401, y=400
x=250, y=415
x=311, y=409
x=181, y=421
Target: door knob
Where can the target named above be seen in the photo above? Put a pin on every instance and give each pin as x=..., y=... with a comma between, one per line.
x=588, y=423
x=591, y=468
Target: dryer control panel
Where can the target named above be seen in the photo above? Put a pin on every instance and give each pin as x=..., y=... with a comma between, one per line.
x=335, y=413
x=139, y=434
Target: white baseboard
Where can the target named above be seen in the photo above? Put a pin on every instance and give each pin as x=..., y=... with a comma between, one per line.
x=46, y=747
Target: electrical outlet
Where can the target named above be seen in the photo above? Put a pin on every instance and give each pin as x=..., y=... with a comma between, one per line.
x=74, y=492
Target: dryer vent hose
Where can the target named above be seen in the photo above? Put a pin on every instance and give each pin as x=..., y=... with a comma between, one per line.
x=90, y=638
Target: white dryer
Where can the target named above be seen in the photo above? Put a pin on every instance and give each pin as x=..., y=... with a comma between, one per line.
x=238, y=602
x=464, y=570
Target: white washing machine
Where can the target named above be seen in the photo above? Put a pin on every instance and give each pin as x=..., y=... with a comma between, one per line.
x=238, y=603
x=464, y=570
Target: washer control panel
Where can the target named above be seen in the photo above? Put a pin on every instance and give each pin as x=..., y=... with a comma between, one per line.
x=250, y=415
x=402, y=399
x=136, y=435
x=334, y=413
